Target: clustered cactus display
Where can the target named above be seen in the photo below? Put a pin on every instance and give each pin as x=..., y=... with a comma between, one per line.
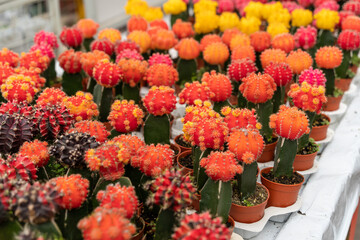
x=89, y=155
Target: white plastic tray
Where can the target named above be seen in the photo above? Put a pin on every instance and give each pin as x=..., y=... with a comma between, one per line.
x=336, y=115
x=350, y=94
x=249, y=230
x=329, y=136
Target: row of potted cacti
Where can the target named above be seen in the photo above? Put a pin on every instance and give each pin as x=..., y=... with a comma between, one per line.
x=71, y=168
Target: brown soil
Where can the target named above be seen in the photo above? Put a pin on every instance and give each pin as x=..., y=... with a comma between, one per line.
x=269, y=141
x=294, y=179
x=176, y=151
x=320, y=121
x=312, y=147
x=182, y=142
x=187, y=161
x=259, y=197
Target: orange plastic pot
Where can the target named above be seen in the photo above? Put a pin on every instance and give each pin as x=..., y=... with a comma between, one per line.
x=333, y=104
x=250, y=214
x=319, y=133
x=343, y=83
x=182, y=148
x=304, y=162
x=232, y=224
x=233, y=100
x=140, y=234
x=281, y=195
x=184, y=170
x=177, y=149
x=354, y=68
x=268, y=153
x=196, y=202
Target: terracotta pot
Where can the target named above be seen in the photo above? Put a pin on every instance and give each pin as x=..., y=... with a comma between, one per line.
x=177, y=149
x=184, y=170
x=183, y=149
x=233, y=100
x=304, y=162
x=140, y=234
x=281, y=195
x=251, y=214
x=178, y=89
x=196, y=202
x=343, y=83
x=354, y=68
x=107, y=126
x=232, y=223
x=319, y=133
x=268, y=153
x=333, y=103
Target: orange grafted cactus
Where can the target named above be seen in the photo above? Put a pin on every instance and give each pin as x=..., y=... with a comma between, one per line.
x=164, y=39
x=90, y=59
x=216, y=53
x=125, y=116
x=50, y=96
x=160, y=100
x=228, y=35
x=328, y=57
x=10, y=57
x=182, y=29
x=219, y=84
x=94, y=128
x=19, y=88
x=194, y=91
x=70, y=61
x=111, y=34
x=87, y=27
x=36, y=151
x=260, y=40
x=81, y=106
x=107, y=74
x=284, y=41
x=243, y=52
x=34, y=59
x=137, y=23
x=132, y=143
x=142, y=39
x=272, y=55
x=5, y=71
x=161, y=75
x=240, y=39
x=209, y=39
x=299, y=61
x=133, y=70
x=240, y=118
x=188, y=48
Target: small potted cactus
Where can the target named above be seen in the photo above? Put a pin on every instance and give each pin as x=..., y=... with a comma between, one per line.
x=72, y=78
x=195, y=91
x=215, y=55
x=260, y=41
x=72, y=38
x=81, y=106
x=283, y=183
x=88, y=28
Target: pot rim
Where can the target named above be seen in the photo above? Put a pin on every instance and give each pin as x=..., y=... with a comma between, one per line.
x=310, y=154
x=187, y=152
x=281, y=184
x=177, y=137
x=256, y=206
x=142, y=229
x=327, y=117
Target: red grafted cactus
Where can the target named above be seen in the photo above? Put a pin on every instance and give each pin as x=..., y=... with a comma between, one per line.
x=258, y=88
x=106, y=224
x=199, y=111
x=36, y=151
x=90, y=59
x=219, y=84
x=307, y=97
x=240, y=69
x=5, y=71
x=159, y=23
x=21, y=108
x=50, y=96
x=8, y=56
x=221, y=166
x=305, y=37
x=153, y=160
x=70, y=61
x=197, y=226
x=352, y=6
x=161, y=75
x=71, y=37
x=137, y=23
x=290, y=123
x=19, y=88
x=107, y=74
x=116, y=196
x=129, y=54
x=133, y=70
x=81, y=106
x=314, y=77
x=94, y=128
x=349, y=40
x=35, y=204
x=19, y=166
x=208, y=133
x=280, y=72
x=246, y=143
x=226, y=6
x=109, y=159
x=103, y=45
x=194, y=91
x=173, y=191
x=45, y=50
x=132, y=143
x=160, y=100
x=34, y=59
x=158, y=58
x=34, y=74
x=52, y=120
x=240, y=118
x=72, y=189
x=120, y=46
x=47, y=38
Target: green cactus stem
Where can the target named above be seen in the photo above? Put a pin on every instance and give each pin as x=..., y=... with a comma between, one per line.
x=246, y=182
x=71, y=220
x=278, y=99
x=263, y=111
x=342, y=70
x=157, y=129
x=304, y=140
x=49, y=229
x=187, y=69
x=90, y=85
x=330, y=81
x=165, y=224
x=326, y=38
x=131, y=93
x=9, y=229
x=72, y=83
x=258, y=62
x=242, y=102
x=199, y=172
x=103, y=97
x=87, y=42
x=216, y=197
x=285, y=153
x=219, y=105
x=50, y=74
x=183, y=16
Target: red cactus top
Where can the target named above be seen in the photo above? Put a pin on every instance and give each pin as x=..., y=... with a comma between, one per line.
x=160, y=100
x=70, y=61
x=8, y=56
x=240, y=118
x=36, y=151
x=193, y=91
x=280, y=72
x=219, y=84
x=94, y=128
x=71, y=37
x=107, y=74
x=240, y=69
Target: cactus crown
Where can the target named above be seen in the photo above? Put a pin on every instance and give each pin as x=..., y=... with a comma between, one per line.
x=307, y=97
x=132, y=143
x=110, y=33
x=71, y=37
x=133, y=70
x=70, y=61
x=157, y=58
x=8, y=56
x=141, y=38
x=153, y=160
x=45, y=50
x=188, y=48
x=106, y=223
x=280, y=72
x=90, y=59
x=137, y=23
x=129, y=54
x=195, y=91
x=284, y=41
x=103, y=45
x=243, y=52
x=182, y=29
x=109, y=159
x=349, y=40
x=34, y=74
x=69, y=149
x=260, y=40
x=34, y=59
x=258, y=88
x=299, y=60
x=314, y=77
x=94, y=128
x=5, y=71
x=240, y=69
x=81, y=106
x=240, y=39
x=88, y=27
x=328, y=57
x=119, y=197
x=125, y=116
x=290, y=122
x=305, y=37
x=36, y=151
x=216, y=53
x=47, y=38
x=50, y=96
x=272, y=55
x=240, y=118
x=221, y=166
x=164, y=39
x=219, y=84
x=19, y=88
x=18, y=166
x=128, y=44
x=246, y=143
x=171, y=190
x=197, y=226
x=107, y=74
x=161, y=75
x=73, y=190
x=160, y=100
